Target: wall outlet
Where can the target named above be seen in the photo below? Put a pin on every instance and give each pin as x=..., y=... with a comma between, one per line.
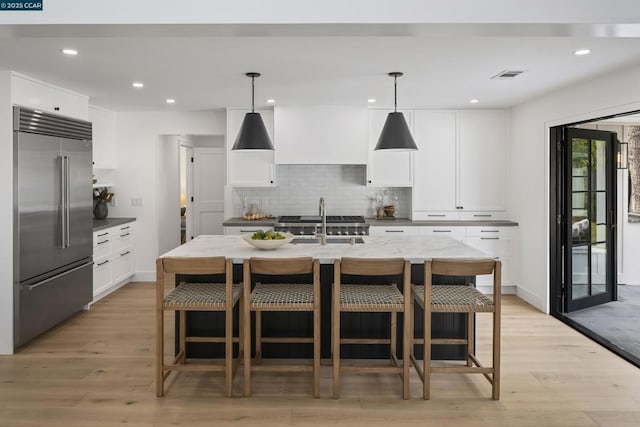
x=114, y=202
x=136, y=201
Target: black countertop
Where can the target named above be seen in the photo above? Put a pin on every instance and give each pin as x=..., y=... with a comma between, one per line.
x=101, y=224
x=398, y=222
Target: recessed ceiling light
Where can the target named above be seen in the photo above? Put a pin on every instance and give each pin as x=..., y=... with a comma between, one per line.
x=70, y=52
x=474, y=101
x=171, y=101
x=138, y=85
x=582, y=52
x=271, y=101
x=371, y=100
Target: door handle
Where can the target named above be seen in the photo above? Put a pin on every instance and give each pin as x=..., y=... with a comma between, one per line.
x=68, y=197
x=32, y=287
x=63, y=193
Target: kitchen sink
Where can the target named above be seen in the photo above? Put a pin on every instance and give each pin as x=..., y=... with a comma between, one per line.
x=330, y=240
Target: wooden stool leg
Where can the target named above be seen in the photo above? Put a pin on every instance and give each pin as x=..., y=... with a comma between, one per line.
x=316, y=352
x=228, y=350
x=471, y=344
x=406, y=349
x=159, y=352
x=336, y=348
x=183, y=336
x=394, y=336
x=426, y=385
x=495, y=391
x=258, y=332
x=246, y=314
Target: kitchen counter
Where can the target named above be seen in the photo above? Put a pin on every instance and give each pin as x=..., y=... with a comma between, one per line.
x=405, y=222
x=416, y=249
x=100, y=224
x=240, y=222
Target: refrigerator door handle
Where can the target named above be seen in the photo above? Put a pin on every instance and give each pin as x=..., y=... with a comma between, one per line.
x=44, y=282
x=63, y=203
x=68, y=202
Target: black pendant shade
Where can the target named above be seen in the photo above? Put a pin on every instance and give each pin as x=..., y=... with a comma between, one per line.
x=395, y=133
x=253, y=133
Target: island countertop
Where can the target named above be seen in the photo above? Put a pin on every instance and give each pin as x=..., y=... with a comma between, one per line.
x=416, y=249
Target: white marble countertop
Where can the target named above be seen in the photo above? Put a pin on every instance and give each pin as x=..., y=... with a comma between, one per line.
x=416, y=249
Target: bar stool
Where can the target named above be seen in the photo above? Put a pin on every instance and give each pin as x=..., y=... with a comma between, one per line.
x=280, y=297
x=464, y=298
x=367, y=298
x=196, y=297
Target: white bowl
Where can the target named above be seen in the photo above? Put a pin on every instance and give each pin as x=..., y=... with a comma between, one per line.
x=268, y=244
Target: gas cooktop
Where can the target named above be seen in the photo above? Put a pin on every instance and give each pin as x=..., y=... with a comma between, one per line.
x=315, y=219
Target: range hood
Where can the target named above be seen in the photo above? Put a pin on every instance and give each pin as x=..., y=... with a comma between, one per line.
x=321, y=135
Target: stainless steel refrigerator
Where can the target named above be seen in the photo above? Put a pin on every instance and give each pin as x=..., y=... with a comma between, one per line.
x=53, y=220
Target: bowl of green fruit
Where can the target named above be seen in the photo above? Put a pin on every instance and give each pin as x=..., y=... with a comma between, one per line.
x=267, y=239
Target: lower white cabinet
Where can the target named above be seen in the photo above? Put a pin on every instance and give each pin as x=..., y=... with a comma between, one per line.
x=113, y=258
x=457, y=233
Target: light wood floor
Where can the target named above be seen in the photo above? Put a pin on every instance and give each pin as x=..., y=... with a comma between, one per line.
x=97, y=370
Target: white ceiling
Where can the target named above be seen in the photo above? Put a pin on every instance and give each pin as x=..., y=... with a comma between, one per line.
x=203, y=66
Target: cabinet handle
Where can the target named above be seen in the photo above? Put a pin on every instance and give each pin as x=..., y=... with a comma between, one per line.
x=103, y=234
x=248, y=231
x=440, y=215
x=441, y=231
x=104, y=241
x=125, y=234
x=489, y=238
x=482, y=215
x=489, y=231
x=102, y=263
x=369, y=181
x=126, y=253
x=271, y=181
x=124, y=228
x=394, y=231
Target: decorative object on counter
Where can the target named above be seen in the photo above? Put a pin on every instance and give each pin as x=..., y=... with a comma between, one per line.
x=253, y=133
x=389, y=210
x=101, y=197
x=268, y=240
x=256, y=216
x=395, y=133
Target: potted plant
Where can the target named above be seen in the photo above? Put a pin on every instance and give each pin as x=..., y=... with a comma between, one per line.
x=101, y=197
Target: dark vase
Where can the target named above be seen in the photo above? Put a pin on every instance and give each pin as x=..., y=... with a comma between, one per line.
x=100, y=210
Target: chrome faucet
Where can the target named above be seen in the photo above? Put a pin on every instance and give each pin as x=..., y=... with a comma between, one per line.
x=322, y=211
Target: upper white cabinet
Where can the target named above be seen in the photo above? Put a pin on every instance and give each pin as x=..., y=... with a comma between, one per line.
x=482, y=160
x=321, y=135
x=460, y=164
x=249, y=168
x=32, y=93
x=387, y=168
x=104, y=137
x=435, y=162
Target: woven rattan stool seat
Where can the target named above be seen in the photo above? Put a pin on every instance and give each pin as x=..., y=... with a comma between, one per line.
x=282, y=297
x=455, y=299
x=370, y=298
x=200, y=296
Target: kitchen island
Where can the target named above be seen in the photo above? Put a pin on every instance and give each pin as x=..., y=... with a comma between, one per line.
x=416, y=249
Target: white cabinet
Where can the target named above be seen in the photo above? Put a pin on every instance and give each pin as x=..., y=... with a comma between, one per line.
x=104, y=137
x=460, y=165
x=321, y=135
x=482, y=160
x=32, y=93
x=495, y=242
x=249, y=168
x=113, y=258
x=393, y=230
x=238, y=231
x=457, y=233
x=387, y=168
x=435, y=162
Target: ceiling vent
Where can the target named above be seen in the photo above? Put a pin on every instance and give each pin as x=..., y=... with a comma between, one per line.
x=508, y=74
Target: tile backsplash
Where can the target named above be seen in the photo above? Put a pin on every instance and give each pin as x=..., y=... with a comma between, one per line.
x=299, y=188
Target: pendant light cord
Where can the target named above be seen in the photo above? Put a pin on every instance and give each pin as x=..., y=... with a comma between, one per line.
x=395, y=94
x=253, y=89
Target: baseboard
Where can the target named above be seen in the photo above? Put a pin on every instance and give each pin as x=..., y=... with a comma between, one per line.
x=109, y=290
x=144, y=276
x=506, y=289
x=532, y=299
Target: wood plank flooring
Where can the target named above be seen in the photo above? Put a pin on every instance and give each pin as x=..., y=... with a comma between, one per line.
x=97, y=370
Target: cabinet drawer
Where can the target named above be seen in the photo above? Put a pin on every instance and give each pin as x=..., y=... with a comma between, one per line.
x=101, y=275
x=391, y=231
x=122, y=265
x=102, y=244
x=489, y=232
x=238, y=231
x=457, y=233
x=493, y=246
x=479, y=216
x=122, y=238
x=436, y=216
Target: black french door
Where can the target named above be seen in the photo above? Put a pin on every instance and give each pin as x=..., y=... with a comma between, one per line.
x=585, y=232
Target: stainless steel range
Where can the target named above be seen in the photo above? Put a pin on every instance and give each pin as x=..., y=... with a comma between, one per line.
x=337, y=225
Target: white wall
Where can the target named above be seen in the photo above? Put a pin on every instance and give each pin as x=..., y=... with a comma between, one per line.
x=138, y=138
x=6, y=215
x=613, y=93
x=168, y=193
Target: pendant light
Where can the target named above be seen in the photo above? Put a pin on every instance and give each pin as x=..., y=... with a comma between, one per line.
x=395, y=133
x=253, y=134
